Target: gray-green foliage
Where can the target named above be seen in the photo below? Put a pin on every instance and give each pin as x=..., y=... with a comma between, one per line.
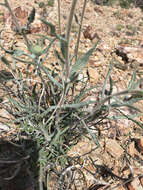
x=44, y=103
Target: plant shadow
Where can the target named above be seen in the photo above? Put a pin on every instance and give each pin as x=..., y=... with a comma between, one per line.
x=18, y=165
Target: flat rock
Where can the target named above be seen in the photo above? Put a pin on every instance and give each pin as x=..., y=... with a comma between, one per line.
x=129, y=53
x=135, y=185
x=140, y=145
x=93, y=75
x=131, y=148
x=113, y=148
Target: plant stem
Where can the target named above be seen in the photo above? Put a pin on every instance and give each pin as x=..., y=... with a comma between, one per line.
x=79, y=31
x=68, y=32
x=41, y=177
x=67, y=59
x=59, y=16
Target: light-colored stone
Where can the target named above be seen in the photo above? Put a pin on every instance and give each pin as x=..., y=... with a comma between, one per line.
x=113, y=148
x=132, y=53
x=93, y=75
x=141, y=180
x=138, y=170
x=135, y=185
x=140, y=145
x=131, y=148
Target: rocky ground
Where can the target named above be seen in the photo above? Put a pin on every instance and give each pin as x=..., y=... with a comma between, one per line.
x=119, y=163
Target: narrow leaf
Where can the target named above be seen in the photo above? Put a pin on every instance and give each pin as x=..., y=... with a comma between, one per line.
x=59, y=57
x=5, y=61
x=63, y=44
x=7, y=51
x=31, y=16
x=111, y=85
x=91, y=134
x=64, y=106
x=130, y=118
x=132, y=81
x=82, y=61
x=105, y=81
x=76, y=18
x=52, y=27
x=50, y=76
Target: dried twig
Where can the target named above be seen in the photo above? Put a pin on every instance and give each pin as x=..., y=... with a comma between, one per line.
x=15, y=173
x=14, y=161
